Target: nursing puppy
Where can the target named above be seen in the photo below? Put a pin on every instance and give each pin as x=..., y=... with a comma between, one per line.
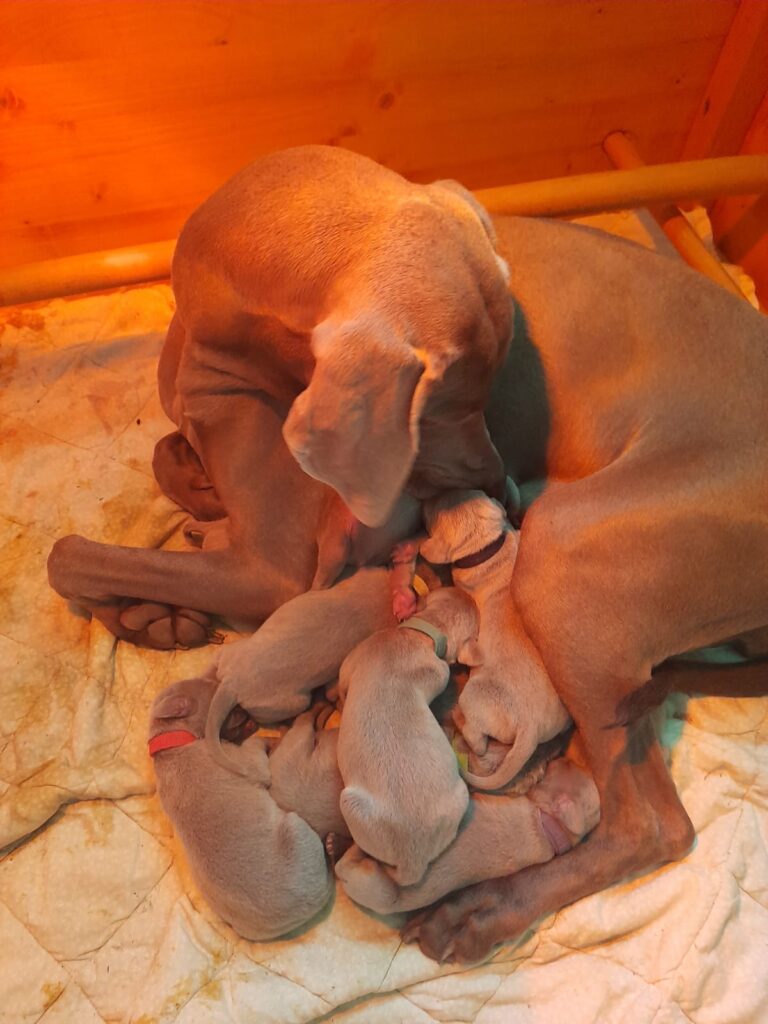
x=262, y=870
x=509, y=705
x=272, y=673
x=403, y=799
x=499, y=836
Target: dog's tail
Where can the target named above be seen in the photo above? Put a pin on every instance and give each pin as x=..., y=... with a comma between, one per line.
x=221, y=704
x=734, y=679
x=514, y=761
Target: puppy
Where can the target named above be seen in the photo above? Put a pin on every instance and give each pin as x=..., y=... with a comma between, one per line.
x=305, y=773
x=499, y=836
x=403, y=798
x=264, y=871
x=509, y=705
x=272, y=673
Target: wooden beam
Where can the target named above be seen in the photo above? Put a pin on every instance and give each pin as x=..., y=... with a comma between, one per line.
x=623, y=153
x=578, y=195
x=619, y=190
x=740, y=223
x=88, y=272
x=736, y=89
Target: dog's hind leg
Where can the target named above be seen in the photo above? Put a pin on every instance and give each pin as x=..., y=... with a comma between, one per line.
x=180, y=474
x=642, y=824
x=273, y=508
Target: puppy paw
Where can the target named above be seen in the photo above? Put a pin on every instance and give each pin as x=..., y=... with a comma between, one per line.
x=165, y=627
x=365, y=881
x=404, y=603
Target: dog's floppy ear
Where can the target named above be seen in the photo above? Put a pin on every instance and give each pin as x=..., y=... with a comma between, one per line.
x=470, y=654
x=356, y=427
x=174, y=705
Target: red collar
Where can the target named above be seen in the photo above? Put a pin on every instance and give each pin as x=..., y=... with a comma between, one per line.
x=169, y=740
x=470, y=561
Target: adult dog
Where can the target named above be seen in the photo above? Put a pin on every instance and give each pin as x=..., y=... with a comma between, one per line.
x=639, y=388
x=325, y=298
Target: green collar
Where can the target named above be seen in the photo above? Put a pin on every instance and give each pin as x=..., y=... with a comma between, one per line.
x=422, y=626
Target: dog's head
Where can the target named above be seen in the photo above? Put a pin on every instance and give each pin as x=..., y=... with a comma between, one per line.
x=401, y=378
x=461, y=523
x=356, y=427
x=184, y=704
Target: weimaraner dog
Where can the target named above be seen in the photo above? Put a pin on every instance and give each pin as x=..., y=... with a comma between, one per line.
x=501, y=834
x=261, y=866
x=508, y=706
x=313, y=304
x=639, y=388
x=403, y=797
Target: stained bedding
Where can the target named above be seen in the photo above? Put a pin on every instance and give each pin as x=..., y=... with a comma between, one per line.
x=99, y=919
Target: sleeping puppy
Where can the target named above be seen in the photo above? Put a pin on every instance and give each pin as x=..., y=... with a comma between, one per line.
x=305, y=772
x=509, y=705
x=499, y=836
x=263, y=870
x=300, y=647
x=403, y=799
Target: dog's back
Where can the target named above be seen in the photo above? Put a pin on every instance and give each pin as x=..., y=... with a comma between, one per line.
x=659, y=350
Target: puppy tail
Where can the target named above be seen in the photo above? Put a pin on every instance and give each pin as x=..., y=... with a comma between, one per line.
x=514, y=760
x=221, y=705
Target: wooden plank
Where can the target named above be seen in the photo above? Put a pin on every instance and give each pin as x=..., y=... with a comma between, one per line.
x=117, y=118
x=737, y=88
x=740, y=223
x=572, y=196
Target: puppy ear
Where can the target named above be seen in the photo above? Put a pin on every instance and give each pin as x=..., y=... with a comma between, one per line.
x=174, y=705
x=356, y=805
x=470, y=654
x=356, y=427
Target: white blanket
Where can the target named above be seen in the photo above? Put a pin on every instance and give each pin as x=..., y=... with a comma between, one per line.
x=99, y=920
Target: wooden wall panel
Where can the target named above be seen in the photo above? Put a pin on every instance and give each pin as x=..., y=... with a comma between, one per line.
x=741, y=222
x=118, y=116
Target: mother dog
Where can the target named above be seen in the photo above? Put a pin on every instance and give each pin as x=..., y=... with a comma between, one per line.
x=637, y=387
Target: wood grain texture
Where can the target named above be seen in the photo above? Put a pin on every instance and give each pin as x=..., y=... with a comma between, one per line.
x=118, y=116
x=740, y=223
x=738, y=86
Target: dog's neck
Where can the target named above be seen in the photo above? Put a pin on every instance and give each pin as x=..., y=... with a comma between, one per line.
x=492, y=572
x=456, y=628
x=485, y=553
x=170, y=740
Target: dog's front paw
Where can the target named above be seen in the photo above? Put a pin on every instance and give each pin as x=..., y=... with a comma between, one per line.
x=165, y=627
x=404, y=603
x=467, y=925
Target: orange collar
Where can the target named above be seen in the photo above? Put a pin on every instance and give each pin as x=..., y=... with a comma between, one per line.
x=169, y=740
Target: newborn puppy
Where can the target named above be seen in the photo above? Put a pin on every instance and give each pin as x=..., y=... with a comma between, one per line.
x=263, y=870
x=305, y=773
x=499, y=836
x=403, y=798
x=509, y=705
x=300, y=647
